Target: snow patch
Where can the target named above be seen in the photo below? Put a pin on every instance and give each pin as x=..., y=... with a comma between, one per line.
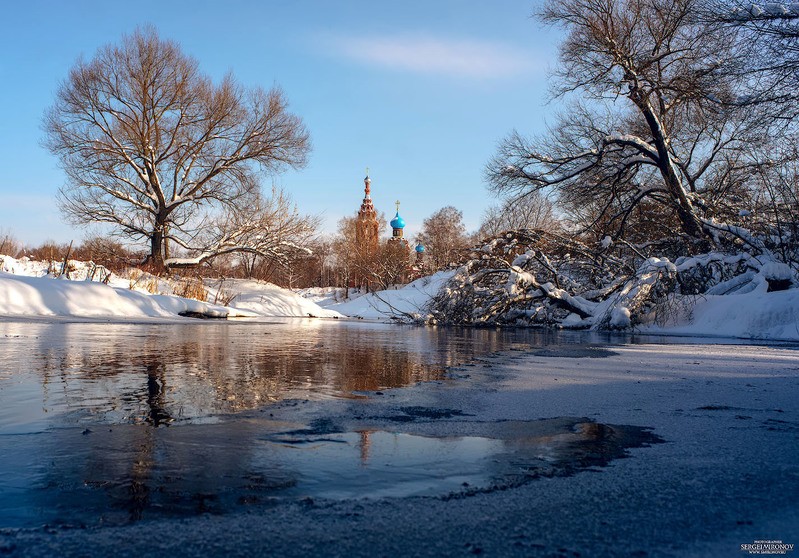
x=410, y=301
x=776, y=271
x=620, y=317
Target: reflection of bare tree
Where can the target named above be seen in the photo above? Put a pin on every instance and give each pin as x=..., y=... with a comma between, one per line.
x=197, y=370
x=138, y=485
x=365, y=444
x=156, y=400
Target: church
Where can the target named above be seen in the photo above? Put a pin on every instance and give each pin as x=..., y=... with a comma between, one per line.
x=395, y=254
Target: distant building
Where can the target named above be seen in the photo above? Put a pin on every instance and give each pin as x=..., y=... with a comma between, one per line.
x=393, y=258
x=366, y=225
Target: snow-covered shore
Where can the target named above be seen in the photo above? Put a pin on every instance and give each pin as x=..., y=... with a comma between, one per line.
x=28, y=290
x=22, y=296
x=762, y=315
x=406, y=302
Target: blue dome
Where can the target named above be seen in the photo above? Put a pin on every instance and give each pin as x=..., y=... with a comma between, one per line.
x=397, y=222
x=419, y=249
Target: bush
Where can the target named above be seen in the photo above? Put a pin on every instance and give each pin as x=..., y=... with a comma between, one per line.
x=106, y=252
x=10, y=246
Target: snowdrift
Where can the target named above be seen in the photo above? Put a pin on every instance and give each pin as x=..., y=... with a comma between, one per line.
x=756, y=315
x=29, y=289
x=266, y=299
x=45, y=296
x=408, y=303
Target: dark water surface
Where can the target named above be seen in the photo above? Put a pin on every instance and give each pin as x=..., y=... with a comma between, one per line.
x=108, y=423
x=61, y=374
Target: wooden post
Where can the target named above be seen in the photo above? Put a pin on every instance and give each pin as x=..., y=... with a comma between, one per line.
x=66, y=257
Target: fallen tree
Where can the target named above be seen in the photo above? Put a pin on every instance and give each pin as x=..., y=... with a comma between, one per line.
x=538, y=278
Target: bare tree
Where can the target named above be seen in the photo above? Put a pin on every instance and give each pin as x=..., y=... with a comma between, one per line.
x=390, y=264
x=151, y=145
x=531, y=211
x=356, y=264
x=444, y=237
x=314, y=270
x=270, y=228
x=655, y=124
x=766, y=54
x=9, y=245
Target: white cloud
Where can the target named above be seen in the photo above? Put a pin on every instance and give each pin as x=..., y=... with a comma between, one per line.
x=436, y=56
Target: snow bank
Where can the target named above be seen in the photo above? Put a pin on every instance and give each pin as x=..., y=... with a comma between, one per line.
x=266, y=299
x=45, y=296
x=410, y=300
x=755, y=315
x=27, y=289
x=327, y=296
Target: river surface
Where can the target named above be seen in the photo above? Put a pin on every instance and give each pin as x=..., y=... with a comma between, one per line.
x=106, y=423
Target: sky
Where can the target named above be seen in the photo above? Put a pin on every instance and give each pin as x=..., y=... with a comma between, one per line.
x=418, y=91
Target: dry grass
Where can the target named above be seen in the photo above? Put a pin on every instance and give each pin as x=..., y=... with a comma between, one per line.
x=191, y=288
x=141, y=280
x=223, y=296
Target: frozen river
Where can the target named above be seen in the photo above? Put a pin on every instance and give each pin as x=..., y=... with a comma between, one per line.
x=110, y=423
x=307, y=426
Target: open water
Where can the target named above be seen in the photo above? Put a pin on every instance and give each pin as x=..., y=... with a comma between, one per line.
x=106, y=423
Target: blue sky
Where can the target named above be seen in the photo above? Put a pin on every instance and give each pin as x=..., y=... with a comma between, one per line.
x=418, y=91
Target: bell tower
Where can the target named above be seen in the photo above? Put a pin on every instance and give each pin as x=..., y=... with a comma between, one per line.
x=366, y=225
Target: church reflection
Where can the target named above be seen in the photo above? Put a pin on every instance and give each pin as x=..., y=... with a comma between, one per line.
x=108, y=393
x=159, y=377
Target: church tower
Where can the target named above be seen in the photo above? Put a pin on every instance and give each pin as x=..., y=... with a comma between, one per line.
x=366, y=226
x=397, y=227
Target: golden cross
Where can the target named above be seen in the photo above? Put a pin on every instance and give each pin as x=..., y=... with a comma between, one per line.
x=367, y=171
x=397, y=204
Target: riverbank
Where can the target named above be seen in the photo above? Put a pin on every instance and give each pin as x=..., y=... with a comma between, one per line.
x=30, y=289
x=727, y=473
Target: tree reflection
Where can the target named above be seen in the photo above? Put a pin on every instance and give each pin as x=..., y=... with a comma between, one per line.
x=156, y=400
x=197, y=371
x=128, y=382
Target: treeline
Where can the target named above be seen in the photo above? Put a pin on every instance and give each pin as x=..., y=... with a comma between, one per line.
x=325, y=260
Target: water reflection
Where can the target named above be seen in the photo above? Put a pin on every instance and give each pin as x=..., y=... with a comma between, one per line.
x=159, y=374
x=133, y=472
x=84, y=407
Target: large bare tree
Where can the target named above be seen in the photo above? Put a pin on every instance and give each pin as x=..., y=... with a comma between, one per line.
x=653, y=124
x=153, y=146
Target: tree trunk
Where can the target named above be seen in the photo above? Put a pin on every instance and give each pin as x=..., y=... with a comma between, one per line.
x=156, y=257
x=689, y=220
x=165, y=241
